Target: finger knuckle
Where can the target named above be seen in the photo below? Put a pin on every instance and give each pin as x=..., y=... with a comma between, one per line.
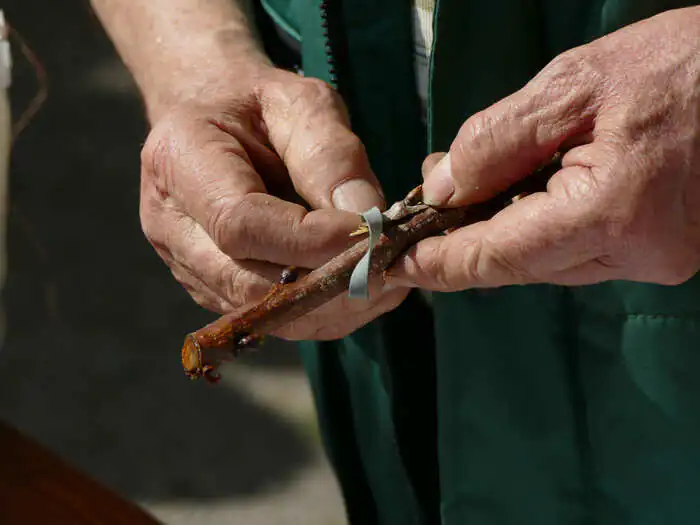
x=472, y=261
x=496, y=266
x=299, y=96
x=351, y=144
x=241, y=287
x=565, y=66
x=182, y=278
x=501, y=265
x=156, y=151
x=190, y=284
x=224, y=146
x=165, y=254
x=565, y=87
x=227, y=225
x=622, y=219
x=343, y=144
x=228, y=279
x=432, y=265
x=207, y=301
x=158, y=161
x=318, y=92
x=200, y=291
x=439, y=269
x=476, y=134
x=151, y=210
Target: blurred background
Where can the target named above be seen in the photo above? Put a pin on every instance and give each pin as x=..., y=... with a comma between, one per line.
x=90, y=364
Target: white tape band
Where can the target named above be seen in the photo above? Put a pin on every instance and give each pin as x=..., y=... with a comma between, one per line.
x=359, y=280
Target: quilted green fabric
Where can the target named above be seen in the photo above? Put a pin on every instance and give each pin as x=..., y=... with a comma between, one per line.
x=523, y=405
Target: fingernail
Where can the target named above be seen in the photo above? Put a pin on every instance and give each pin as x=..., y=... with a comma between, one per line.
x=439, y=186
x=356, y=195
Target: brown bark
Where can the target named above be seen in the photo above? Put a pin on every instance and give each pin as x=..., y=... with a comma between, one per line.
x=225, y=338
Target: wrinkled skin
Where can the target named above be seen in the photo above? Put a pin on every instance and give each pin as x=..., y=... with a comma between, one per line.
x=625, y=205
x=215, y=176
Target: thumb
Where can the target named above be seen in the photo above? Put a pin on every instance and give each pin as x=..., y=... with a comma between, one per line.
x=504, y=143
x=327, y=163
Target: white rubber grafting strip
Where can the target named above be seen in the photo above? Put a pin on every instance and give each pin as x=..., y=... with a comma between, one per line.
x=359, y=280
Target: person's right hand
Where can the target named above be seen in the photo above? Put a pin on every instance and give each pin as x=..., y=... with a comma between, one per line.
x=214, y=176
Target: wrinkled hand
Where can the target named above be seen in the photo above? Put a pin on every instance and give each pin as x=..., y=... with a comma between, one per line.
x=214, y=178
x=625, y=205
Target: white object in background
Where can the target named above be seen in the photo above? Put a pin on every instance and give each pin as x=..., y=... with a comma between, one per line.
x=5, y=55
x=5, y=143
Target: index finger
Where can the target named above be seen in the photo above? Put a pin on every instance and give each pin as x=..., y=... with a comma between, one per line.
x=210, y=176
x=309, y=128
x=545, y=237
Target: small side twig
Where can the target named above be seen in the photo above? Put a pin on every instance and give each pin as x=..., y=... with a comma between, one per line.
x=409, y=222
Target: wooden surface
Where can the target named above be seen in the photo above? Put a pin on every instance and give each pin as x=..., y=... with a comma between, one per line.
x=36, y=487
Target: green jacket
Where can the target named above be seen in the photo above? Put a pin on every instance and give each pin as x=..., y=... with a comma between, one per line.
x=523, y=405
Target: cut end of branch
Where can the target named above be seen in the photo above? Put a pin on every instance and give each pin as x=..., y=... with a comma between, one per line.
x=192, y=358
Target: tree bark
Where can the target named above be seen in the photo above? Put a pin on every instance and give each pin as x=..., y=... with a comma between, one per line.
x=407, y=224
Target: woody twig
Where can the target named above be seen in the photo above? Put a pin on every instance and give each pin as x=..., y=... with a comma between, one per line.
x=407, y=223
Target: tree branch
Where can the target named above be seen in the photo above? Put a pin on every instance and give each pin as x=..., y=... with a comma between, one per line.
x=407, y=224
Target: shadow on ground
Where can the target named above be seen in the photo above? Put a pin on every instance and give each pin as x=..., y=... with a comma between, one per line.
x=91, y=361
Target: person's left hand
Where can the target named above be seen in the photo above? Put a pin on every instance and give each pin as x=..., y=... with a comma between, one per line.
x=626, y=203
